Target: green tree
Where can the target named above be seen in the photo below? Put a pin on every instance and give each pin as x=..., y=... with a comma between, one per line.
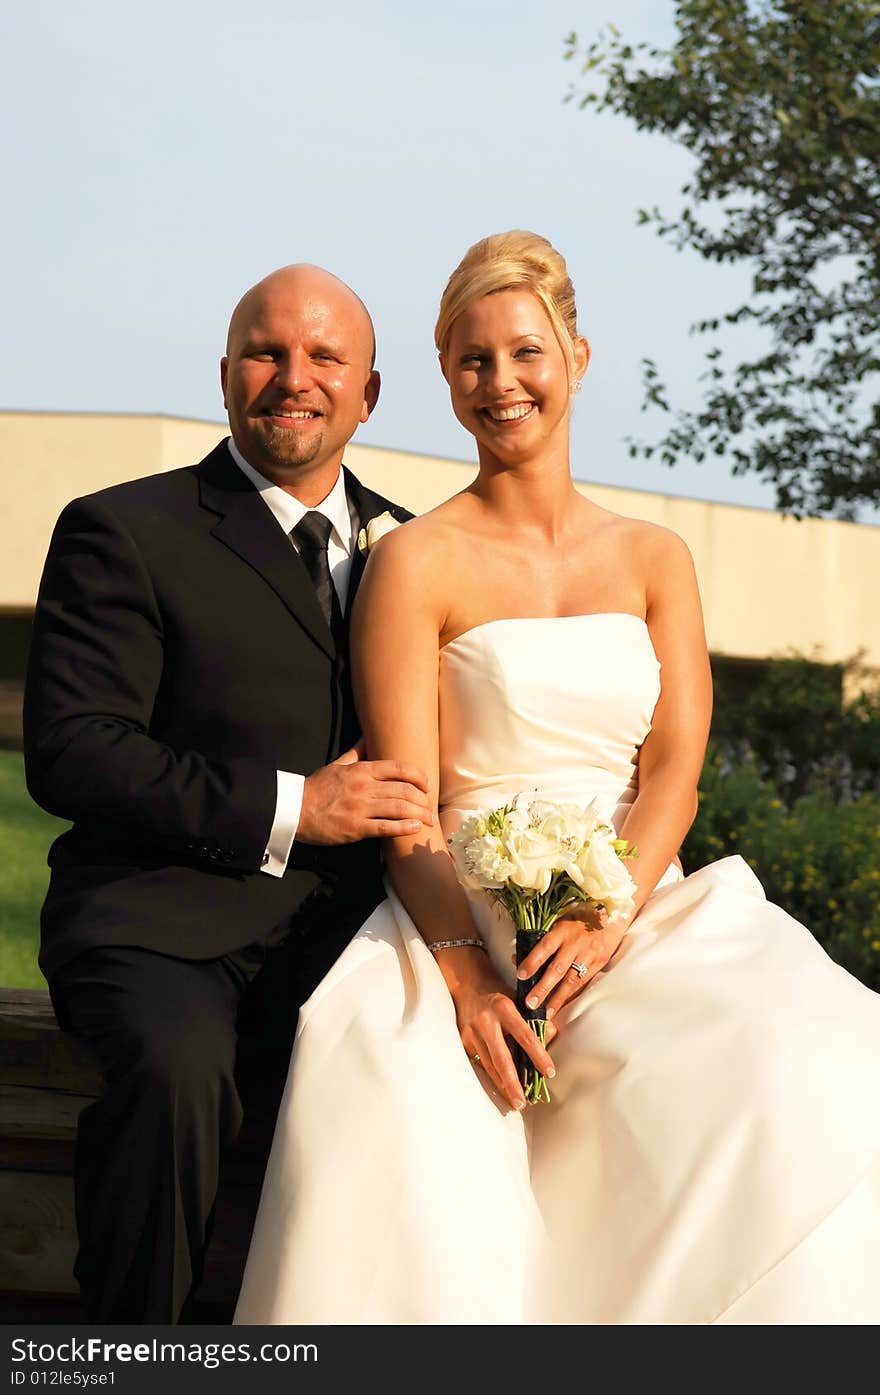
x=778, y=101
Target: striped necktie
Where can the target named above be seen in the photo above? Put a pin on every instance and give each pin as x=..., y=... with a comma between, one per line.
x=312, y=533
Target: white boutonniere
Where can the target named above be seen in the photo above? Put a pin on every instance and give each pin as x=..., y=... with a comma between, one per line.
x=376, y=529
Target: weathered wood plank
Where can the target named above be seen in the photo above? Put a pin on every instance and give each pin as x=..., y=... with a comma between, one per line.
x=36, y=1155
x=28, y=1005
x=38, y=1237
x=34, y=1050
x=58, y=1066
x=25, y=1309
x=37, y=1233
x=27, y=1113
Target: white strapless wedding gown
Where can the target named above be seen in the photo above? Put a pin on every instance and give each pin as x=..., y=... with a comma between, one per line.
x=712, y=1150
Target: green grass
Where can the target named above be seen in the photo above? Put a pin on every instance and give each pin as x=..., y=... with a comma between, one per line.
x=25, y=835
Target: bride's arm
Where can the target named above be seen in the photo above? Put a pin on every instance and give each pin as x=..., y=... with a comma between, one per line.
x=671, y=757
x=670, y=762
x=396, y=625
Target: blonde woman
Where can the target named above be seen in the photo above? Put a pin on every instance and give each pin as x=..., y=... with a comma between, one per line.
x=708, y=1156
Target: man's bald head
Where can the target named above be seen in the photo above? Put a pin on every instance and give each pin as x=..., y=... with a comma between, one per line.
x=300, y=278
x=298, y=376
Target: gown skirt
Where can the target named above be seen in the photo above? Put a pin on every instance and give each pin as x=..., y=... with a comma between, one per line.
x=711, y=1153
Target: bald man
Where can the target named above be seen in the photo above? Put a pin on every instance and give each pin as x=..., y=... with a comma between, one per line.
x=188, y=708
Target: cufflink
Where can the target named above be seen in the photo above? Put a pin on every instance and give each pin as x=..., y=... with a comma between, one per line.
x=265, y=862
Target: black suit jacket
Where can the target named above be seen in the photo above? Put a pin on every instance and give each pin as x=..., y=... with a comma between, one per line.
x=179, y=658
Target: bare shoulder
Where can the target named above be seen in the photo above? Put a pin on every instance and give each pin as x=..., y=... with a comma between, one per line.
x=656, y=549
x=664, y=545
x=653, y=539
x=423, y=540
x=409, y=567
x=666, y=565
x=414, y=544
x=649, y=553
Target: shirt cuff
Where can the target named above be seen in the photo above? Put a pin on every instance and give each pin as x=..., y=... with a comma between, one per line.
x=288, y=806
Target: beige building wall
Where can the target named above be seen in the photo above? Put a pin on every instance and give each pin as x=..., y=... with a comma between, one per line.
x=47, y=459
x=769, y=584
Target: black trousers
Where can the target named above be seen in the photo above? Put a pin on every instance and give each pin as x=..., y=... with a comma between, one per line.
x=171, y=1037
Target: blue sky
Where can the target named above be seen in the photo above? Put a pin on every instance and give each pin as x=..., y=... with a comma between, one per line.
x=161, y=159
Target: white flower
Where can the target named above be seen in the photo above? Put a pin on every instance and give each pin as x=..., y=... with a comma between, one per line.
x=487, y=864
x=527, y=843
x=479, y=855
x=544, y=838
x=376, y=529
x=535, y=858
x=474, y=826
x=604, y=877
x=569, y=824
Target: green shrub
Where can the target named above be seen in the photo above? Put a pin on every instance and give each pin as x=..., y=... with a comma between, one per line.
x=818, y=857
x=788, y=714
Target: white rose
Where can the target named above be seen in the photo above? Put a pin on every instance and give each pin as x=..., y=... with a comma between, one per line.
x=603, y=877
x=376, y=529
x=554, y=837
x=535, y=858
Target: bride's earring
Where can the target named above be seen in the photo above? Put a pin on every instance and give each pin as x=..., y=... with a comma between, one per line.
x=575, y=386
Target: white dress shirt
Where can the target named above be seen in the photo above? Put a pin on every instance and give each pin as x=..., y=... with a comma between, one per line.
x=340, y=550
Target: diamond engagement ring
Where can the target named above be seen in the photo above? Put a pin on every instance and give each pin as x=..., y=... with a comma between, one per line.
x=476, y=1060
x=580, y=969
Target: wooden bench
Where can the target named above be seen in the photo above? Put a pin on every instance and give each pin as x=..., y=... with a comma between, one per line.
x=46, y=1078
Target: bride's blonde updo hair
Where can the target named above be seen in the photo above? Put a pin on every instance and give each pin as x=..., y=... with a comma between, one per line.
x=505, y=262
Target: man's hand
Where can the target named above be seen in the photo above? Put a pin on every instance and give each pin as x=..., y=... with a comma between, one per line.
x=355, y=798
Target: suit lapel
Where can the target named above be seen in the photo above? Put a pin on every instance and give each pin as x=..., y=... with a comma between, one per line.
x=248, y=528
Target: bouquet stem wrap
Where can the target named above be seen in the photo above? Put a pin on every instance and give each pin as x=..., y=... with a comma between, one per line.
x=534, y=1085
x=533, y=913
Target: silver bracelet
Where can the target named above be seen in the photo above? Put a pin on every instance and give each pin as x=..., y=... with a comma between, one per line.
x=456, y=944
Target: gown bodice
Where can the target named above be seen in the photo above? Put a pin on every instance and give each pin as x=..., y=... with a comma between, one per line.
x=560, y=705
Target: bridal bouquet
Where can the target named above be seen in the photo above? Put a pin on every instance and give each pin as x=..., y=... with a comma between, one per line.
x=541, y=859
